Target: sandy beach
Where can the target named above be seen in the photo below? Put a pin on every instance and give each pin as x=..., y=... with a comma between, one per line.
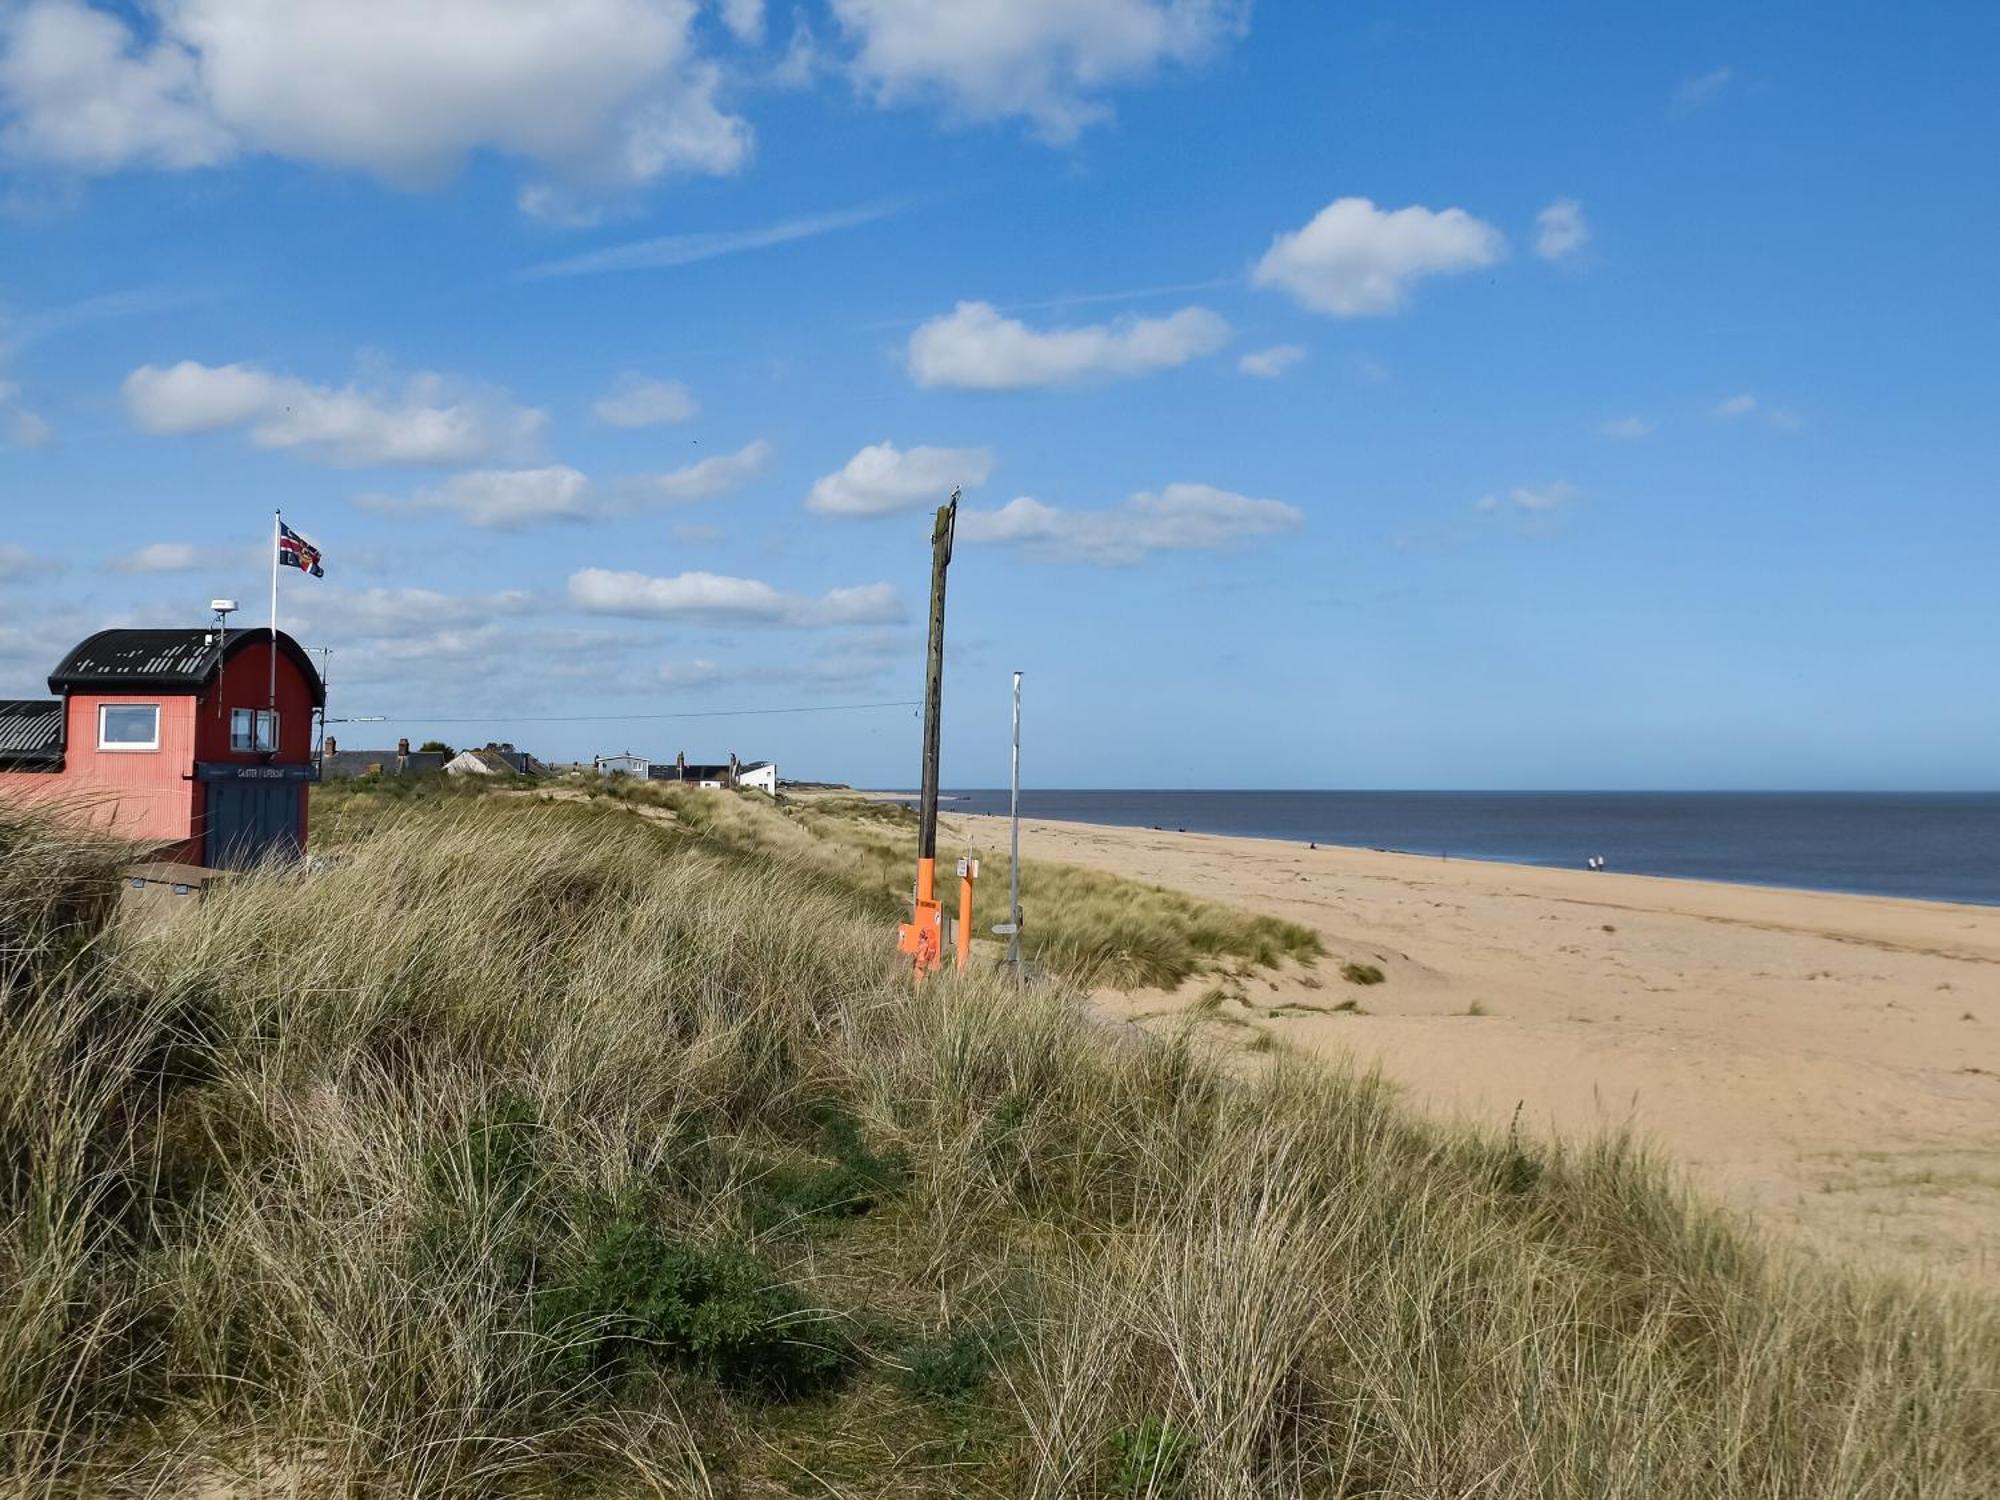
x=1830, y=1061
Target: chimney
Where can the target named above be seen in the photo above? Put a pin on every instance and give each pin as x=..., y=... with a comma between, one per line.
x=402, y=755
x=402, y=747
x=331, y=744
x=681, y=763
x=732, y=768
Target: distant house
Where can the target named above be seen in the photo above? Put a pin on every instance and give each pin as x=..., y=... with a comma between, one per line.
x=195, y=742
x=336, y=764
x=756, y=775
x=493, y=760
x=627, y=764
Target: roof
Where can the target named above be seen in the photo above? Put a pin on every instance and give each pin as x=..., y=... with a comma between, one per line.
x=336, y=765
x=166, y=661
x=488, y=761
x=690, y=771
x=31, y=734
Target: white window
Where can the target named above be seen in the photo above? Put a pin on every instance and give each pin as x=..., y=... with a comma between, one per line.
x=128, y=726
x=253, y=729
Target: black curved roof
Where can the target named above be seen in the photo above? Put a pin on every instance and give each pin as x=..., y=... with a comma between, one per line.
x=31, y=734
x=166, y=661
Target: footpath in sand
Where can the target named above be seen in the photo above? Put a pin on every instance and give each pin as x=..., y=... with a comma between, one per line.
x=1832, y=1061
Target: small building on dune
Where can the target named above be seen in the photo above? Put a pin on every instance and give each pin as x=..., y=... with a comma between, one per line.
x=194, y=742
x=493, y=760
x=626, y=764
x=755, y=775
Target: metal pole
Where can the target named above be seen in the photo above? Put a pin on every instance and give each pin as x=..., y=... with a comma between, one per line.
x=1014, y=859
x=325, y=663
x=277, y=520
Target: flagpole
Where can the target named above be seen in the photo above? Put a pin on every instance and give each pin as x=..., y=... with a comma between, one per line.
x=276, y=522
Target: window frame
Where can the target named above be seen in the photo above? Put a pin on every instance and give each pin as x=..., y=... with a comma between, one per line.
x=259, y=719
x=127, y=747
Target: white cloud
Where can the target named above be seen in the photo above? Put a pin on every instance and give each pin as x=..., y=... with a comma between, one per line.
x=1700, y=90
x=1627, y=428
x=20, y=427
x=975, y=348
x=857, y=659
x=600, y=95
x=668, y=251
x=882, y=478
x=1180, y=517
x=1269, y=364
x=509, y=499
x=802, y=61
x=379, y=613
x=1355, y=260
x=1560, y=230
x=431, y=420
x=1737, y=408
x=698, y=672
x=1045, y=61
x=636, y=400
x=1539, y=499
x=745, y=20
x=718, y=599
x=183, y=557
x=706, y=480
x=81, y=91
x=503, y=499
x=17, y=563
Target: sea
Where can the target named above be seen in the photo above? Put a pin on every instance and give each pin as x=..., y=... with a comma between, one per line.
x=1942, y=846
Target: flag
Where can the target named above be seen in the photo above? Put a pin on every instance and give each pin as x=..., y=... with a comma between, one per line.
x=294, y=551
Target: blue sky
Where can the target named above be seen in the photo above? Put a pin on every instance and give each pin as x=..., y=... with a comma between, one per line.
x=1381, y=395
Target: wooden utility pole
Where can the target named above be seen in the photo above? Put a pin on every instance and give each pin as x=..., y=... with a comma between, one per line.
x=923, y=936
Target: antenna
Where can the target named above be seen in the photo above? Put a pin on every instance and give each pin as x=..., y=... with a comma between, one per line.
x=223, y=608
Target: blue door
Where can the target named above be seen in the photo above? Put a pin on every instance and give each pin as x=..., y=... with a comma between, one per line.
x=251, y=821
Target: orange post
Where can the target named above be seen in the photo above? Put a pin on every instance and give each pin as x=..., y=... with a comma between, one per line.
x=922, y=937
x=968, y=872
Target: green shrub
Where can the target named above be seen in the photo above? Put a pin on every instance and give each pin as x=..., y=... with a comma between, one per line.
x=1152, y=1458
x=851, y=1183
x=951, y=1367
x=638, y=1299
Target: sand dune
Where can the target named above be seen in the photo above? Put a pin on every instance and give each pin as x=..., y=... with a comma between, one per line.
x=1831, y=1060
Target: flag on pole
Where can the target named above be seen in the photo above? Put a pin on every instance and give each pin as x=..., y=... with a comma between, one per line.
x=294, y=551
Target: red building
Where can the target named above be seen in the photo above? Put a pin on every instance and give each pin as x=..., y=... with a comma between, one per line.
x=170, y=738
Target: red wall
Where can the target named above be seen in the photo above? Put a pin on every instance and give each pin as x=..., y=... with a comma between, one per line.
x=151, y=795
x=245, y=682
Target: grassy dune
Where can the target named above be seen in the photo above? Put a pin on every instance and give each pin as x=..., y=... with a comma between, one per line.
x=548, y=1149
x=1091, y=927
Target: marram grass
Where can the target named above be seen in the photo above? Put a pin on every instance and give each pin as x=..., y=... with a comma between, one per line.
x=540, y=1150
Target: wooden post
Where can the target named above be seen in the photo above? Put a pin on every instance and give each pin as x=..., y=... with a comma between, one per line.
x=923, y=936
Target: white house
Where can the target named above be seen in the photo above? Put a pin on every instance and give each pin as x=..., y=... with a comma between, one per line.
x=627, y=764
x=758, y=775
